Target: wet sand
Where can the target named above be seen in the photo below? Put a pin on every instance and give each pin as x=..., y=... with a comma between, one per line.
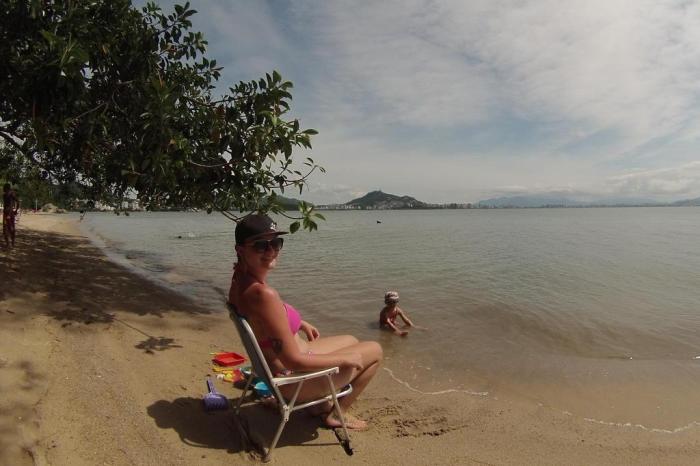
x=99, y=366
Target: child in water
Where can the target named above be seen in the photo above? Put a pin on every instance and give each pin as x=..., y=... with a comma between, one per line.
x=391, y=310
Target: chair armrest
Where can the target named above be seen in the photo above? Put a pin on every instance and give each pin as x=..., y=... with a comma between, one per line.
x=300, y=376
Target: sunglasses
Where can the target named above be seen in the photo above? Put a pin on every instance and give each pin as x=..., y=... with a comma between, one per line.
x=262, y=245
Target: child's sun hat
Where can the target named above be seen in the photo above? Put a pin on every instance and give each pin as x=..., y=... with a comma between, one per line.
x=391, y=297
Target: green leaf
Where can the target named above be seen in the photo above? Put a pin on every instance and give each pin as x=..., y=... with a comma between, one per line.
x=50, y=37
x=294, y=227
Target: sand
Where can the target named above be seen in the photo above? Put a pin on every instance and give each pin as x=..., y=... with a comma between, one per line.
x=100, y=366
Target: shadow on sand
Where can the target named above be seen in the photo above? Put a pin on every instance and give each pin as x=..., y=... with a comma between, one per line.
x=105, y=286
x=103, y=282
x=251, y=431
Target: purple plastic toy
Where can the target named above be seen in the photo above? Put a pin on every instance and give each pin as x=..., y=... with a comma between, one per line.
x=214, y=400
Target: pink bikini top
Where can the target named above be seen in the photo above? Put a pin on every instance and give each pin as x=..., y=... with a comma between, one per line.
x=294, y=319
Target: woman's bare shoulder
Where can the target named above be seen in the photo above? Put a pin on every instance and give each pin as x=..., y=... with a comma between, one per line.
x=259, y=295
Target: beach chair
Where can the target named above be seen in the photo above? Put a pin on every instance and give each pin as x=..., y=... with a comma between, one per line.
x=261, y=370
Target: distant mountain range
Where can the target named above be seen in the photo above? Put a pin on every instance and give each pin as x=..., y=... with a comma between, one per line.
x=534, y=201
x=687, y=202
x=527, y=201
x=381, y=200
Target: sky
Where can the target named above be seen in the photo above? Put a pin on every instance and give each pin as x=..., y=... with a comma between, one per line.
x=464, y=100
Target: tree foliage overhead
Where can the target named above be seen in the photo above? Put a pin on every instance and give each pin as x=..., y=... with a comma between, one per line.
x=124, y=101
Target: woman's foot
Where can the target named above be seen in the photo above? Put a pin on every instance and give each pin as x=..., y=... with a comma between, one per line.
x=322, y=409
x=351, y=422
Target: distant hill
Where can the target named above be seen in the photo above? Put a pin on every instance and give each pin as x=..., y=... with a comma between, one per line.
x=289, y=203
x=381, y=200
x=687, y=202
x=529, y=201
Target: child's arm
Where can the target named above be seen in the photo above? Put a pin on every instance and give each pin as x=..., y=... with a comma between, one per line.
x=398, y=331
x=405, y=318
x=388, y=323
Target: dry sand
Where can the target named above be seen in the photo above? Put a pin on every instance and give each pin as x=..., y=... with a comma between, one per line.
x=99, y=366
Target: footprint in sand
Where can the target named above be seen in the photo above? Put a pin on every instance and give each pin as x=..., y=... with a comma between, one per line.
x=404, y=421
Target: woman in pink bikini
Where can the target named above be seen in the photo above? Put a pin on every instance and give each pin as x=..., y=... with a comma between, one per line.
x=277, y=325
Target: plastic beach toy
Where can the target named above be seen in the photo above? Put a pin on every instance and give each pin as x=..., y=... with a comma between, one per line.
x=262, y=390
x=214, y=400
x=228, y=359
x=232, y=376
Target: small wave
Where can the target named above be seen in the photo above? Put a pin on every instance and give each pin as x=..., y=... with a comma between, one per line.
x=441, y=392
x=202, y=235
x=643, y=427
x=626, y=425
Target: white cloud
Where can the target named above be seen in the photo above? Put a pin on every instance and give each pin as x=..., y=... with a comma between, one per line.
x=675, y=182
x=627, y=69
x=362, y=165
x=245, y=39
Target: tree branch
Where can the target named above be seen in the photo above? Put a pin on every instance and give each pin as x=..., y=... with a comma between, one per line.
x=295, y=181
x=88, y=111
x=219, y=165
x=283, y=214
x=229, y=215
x=10, y=138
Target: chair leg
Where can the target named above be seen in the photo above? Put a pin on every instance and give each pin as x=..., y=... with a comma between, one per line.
x=245, y=391
x=285, y=410
x=344, y=443
x=283, y=422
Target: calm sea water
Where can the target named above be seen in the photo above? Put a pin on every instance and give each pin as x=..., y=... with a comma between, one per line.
x=590, y=311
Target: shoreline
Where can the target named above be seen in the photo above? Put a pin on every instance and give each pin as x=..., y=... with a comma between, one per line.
x=101, y=366
x=112, y=255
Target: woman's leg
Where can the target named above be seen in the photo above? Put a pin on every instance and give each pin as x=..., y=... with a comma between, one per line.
x=325, y=345
x=371, y=357
x=371, y=354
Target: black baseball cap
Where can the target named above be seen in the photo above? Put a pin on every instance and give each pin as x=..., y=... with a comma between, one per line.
x=255, y=225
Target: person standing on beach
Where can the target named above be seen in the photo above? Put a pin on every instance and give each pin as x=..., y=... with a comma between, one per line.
x=390, y=312
x=277, y=325
x=10, y=206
